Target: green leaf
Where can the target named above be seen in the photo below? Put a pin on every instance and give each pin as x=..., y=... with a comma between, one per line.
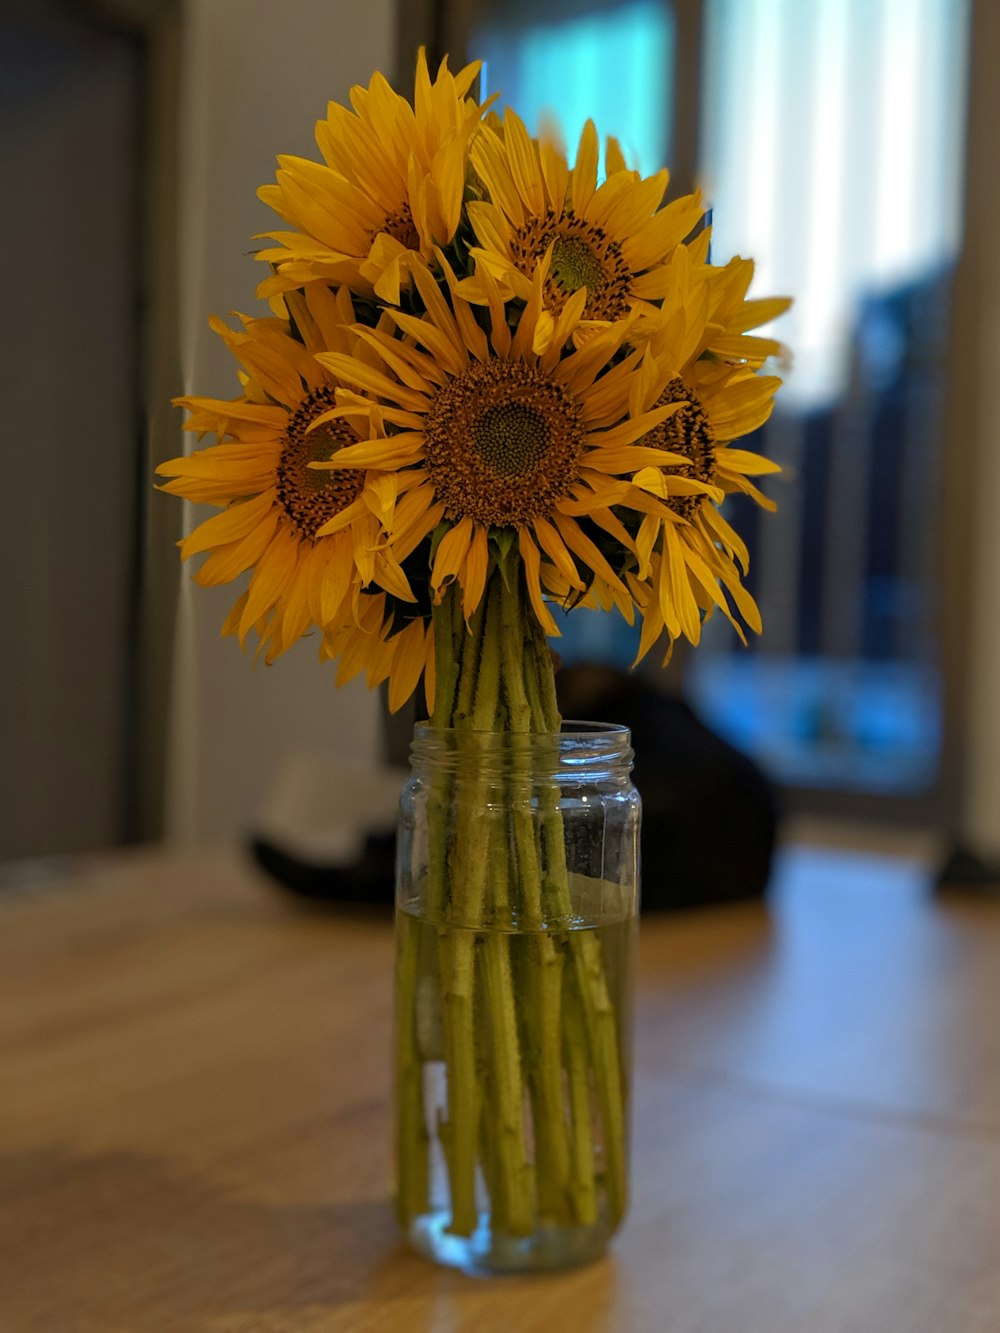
x=503, y=542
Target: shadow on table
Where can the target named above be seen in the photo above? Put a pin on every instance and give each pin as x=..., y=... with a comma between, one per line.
x=138, y=1243
x=128, y=1233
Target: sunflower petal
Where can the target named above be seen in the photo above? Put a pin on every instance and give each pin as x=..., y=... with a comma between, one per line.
x=449, y=559
x=532, y=565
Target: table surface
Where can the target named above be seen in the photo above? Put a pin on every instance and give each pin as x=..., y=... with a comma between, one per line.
x=194, y=1082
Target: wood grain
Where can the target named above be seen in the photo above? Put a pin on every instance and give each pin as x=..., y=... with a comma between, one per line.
x=194, y=1116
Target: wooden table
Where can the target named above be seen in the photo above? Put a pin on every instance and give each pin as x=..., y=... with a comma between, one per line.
x=193, y=1116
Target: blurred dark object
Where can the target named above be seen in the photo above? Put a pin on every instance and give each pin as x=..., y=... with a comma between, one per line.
x=708, y=825
x=368, y=878
x=709, y=815
x=965, y=871
x=326, y=829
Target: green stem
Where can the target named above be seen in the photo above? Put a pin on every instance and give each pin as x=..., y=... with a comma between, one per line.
x=512, y=1171
x=506, y=1167
x=602, y=1038
x=542, y=1018
x=542, y=979
x=459, y=1132
x=447, y=627
x=598, y=1010
x=467, y=866
x=411, y=1131
x=525, y=842
x=582, y=1181
x=551, y=1029
x=449, y=632
x=469, y=645
x=468, y=854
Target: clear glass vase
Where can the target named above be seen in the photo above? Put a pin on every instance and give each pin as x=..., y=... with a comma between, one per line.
x=517, y=889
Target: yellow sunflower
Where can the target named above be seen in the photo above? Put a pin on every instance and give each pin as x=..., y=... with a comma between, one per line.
x=688, y=552
x=274, y=503
x=365, y=638
x=497, y=438
x=609, y=240
x=389, y=189
x=690, y=556
x=731, y=315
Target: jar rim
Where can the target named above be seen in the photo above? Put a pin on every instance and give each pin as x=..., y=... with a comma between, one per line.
x=571, y=728
x=580, y=747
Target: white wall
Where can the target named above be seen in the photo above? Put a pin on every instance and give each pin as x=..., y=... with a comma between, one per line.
x=255, y=78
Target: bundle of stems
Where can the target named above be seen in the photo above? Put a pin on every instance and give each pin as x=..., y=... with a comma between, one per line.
x=529, y=1038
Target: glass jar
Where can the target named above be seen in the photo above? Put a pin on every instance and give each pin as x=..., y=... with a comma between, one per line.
x=517, y=888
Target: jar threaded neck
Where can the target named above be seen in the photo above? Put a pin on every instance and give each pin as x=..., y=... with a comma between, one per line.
x=581, y=751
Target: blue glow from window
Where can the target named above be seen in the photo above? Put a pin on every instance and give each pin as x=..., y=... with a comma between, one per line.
x=612, y=67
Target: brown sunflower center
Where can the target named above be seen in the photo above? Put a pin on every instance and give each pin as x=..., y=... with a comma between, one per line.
x=512, y=438
x=312, y=496
x=502, y=443
x=583, y=255
x=688, y=433
x=574, y=265
x=402, y=228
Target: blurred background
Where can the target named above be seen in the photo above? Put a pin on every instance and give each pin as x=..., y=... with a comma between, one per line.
x=847, y=145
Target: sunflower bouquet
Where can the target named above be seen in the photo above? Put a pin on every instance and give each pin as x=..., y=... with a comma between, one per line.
x=488, y=385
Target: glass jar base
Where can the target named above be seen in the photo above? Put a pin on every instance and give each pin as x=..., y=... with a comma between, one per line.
x=486, y=1251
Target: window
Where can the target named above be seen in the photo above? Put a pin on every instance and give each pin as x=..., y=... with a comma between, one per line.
x=830, y=150
x=847, y=193
x=568, y=64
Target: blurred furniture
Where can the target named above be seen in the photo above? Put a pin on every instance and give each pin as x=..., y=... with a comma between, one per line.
x=194, y=1086
x=709, y=815
x=327, y=831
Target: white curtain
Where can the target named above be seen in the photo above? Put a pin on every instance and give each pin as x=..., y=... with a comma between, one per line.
x=832, y=153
